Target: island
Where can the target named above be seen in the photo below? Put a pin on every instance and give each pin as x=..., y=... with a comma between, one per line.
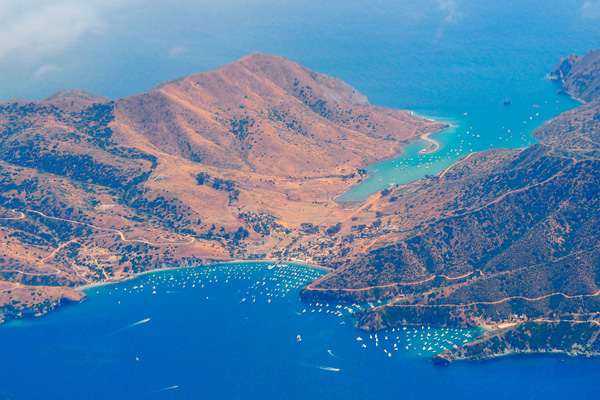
x=244, y=162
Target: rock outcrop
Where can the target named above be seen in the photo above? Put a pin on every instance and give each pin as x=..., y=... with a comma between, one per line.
x=580, y=76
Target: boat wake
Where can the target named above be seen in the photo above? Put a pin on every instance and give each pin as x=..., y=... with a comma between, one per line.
x=134, y=324
x=332, y=355
x=329, y=369
x=323, y=367
x=138, y=323
x=167, y=388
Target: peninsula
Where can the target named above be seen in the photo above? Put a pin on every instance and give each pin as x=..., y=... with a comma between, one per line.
x=244, y=162
x=433, y=145
x=237, y=163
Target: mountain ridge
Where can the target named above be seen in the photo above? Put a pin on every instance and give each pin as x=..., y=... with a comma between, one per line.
x=579, y=76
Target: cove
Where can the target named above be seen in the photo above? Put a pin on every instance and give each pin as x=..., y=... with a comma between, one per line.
x=481, y=126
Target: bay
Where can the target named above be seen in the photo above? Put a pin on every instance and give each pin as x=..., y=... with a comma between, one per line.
x=231, y=331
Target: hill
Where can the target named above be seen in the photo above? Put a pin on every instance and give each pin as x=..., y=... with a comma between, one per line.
x=579, y=75
x=239, y=162
x=243, y=162
x=77, y=94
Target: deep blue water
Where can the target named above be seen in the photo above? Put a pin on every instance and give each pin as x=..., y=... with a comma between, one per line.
x=440, y=58
x=231, y=332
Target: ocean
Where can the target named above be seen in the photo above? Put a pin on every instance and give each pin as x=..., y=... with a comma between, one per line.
x=238, y=331
x=231, y=332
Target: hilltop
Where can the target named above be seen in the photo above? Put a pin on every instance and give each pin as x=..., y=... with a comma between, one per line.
x=240, y=162
x=77, y=94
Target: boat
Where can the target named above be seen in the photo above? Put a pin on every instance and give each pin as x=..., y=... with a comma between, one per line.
x=507, y=101
x=298, y=338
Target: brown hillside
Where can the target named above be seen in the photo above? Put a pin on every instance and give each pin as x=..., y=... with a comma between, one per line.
x=266, y=115
x=240, y=162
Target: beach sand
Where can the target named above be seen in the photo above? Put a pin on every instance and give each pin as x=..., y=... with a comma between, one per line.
x=433, y=144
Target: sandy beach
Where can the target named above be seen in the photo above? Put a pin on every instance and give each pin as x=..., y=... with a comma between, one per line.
x=433, y=145
x=267, y=261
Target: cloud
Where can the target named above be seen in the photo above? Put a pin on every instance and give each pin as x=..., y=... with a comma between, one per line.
x=175, y=51
x=451, y=13
x=45, y=70
x=32, y=29
x=450, y=10
x=591, y=9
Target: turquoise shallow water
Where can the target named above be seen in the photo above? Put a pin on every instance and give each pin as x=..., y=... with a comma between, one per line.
x=231, y=332
x=441, y=59
x=482, y=126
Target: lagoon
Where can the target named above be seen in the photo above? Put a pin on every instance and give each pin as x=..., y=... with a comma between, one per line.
x=482, y=126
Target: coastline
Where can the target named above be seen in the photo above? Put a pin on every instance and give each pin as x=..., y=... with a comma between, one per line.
x=83, y=288
x=434, y=145
x=444, y=359
x=269, y=260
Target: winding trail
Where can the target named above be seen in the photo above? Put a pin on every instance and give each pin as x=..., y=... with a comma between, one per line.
x=510, y=192
x=591, y=321
x=116, y=231
x=311, y=285
x=475, y=303
x=456, y=163
x=21, y=216
x=75, y=240
x=16, y=271
x=15, y=286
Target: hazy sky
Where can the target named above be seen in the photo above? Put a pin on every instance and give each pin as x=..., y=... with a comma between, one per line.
x=46, y=45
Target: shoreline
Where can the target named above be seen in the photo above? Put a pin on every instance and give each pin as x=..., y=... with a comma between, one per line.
x=271, y=261
x=443, y=360
x=434, y=145
x=220, y=263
